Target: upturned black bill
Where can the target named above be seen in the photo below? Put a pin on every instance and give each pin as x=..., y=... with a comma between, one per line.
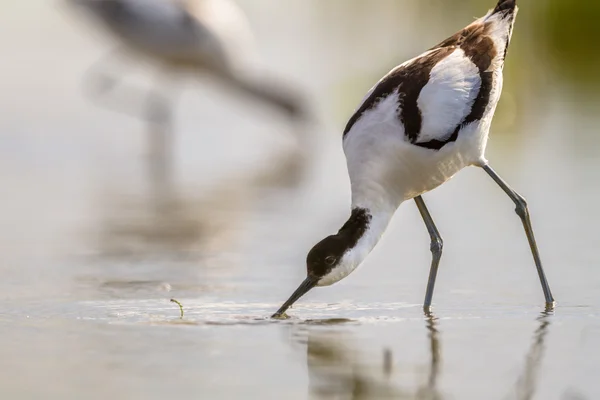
x=304, y=287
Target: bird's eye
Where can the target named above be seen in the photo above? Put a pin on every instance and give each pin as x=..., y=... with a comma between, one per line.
x=330, y=260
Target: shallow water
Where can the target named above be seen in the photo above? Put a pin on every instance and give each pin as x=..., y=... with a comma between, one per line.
x=90, y=259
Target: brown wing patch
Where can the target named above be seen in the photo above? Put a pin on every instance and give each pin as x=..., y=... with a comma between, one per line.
x=458, y=38
x=480, y=48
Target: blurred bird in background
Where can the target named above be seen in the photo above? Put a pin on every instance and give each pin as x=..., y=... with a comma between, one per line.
x=203, y=38
x=208, y=39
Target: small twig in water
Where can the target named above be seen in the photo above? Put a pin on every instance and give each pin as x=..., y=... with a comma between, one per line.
x=180, y=307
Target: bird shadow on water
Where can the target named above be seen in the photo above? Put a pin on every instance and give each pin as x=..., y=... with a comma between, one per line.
x=337, y=370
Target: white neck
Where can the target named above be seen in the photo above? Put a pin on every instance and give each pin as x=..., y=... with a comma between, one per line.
x=356, y=255
x=378, y=224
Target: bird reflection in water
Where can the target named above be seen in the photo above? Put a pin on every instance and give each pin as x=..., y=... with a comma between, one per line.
x=336, y=371
x=526, y=384
x=429, y=391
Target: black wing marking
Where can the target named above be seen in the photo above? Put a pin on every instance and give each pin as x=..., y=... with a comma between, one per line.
x=410, y=79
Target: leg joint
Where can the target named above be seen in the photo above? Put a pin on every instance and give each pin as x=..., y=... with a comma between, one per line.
x=437, y=244
x=521, y=207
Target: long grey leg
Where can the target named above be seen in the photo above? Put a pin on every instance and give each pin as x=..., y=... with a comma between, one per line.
x=523, y=213
x=436, y=250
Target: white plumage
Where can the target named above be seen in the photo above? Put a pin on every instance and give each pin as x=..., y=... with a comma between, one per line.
x=448, y=97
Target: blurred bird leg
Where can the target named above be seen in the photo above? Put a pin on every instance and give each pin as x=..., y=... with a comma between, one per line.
x=160, y=159
x=387, y=362
x=101, y=84
x=156, y=109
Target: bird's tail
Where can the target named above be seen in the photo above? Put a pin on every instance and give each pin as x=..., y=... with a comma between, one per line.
x=505, y=6
x=505, y=11
x=499, y=24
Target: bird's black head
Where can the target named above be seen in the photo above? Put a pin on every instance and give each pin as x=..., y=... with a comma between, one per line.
x=320, y=261
x=328, y=254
